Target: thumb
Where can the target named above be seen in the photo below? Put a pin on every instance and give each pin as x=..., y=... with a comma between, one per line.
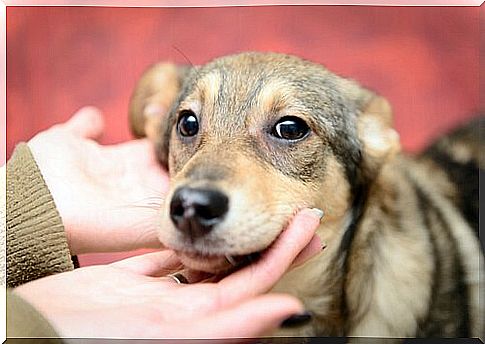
x=154, y=264
x=87, y=123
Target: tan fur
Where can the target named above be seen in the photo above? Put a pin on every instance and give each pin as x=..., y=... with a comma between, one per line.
x=273, y=97
x=208, y=88
x=154, y=96
x=252, y=199
x=469, y=250
x=403, y=276
x=381, y=141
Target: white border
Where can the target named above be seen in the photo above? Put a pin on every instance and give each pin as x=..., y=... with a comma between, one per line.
x=137, y=3
x=3, y=156
x=229, y=3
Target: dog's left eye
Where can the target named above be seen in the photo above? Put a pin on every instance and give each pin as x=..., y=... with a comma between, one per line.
x=290, y=128
x=188, y=125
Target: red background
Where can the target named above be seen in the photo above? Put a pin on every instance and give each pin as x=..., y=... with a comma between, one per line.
x=425, y=60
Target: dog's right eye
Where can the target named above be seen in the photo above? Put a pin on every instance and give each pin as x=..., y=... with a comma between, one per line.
x=188, y=125
x=290, y=128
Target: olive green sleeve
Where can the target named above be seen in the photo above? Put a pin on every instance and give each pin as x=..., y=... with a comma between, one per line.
x=36, y=240
x=24, y=321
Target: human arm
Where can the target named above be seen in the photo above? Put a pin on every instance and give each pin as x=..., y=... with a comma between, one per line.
x=134, y=298
x=35, y=237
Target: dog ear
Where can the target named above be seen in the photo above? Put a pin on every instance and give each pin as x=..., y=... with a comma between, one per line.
x=153, y=97
x=374, y=126
x=152, y=100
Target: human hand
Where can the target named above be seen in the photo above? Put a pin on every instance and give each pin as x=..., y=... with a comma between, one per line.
x=107, y=196
x=134, y=298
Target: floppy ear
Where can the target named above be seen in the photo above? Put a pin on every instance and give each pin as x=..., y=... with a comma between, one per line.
x=374, y=126
x=152, y=100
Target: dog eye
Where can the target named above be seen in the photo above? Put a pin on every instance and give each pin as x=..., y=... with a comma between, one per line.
x=290, y=128
x=188, y=125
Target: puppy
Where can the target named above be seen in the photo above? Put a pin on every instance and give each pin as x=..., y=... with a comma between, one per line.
x=251, y=138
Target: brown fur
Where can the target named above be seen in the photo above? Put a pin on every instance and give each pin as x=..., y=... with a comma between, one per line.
x=400, y=261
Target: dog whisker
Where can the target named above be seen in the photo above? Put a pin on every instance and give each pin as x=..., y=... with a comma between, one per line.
x=183, y=55
x=231, y=260
x=151, y=207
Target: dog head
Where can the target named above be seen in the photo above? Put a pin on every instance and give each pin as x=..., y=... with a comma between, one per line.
x=248, y=140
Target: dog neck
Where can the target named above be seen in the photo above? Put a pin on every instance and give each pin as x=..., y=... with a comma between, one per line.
x=320, y=281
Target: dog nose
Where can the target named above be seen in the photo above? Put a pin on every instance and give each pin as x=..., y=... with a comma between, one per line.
x=195, y=211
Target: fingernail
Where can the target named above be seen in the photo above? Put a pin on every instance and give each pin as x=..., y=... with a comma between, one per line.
x=318, y=212
x=297, y=320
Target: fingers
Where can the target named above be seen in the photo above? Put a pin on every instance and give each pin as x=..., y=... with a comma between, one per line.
x=87, y=123
x=252, y=318
x=153, y=264
x=313, y=248
x=141, y=162
x=140, y=151
x=260, y=277
x=186, y=277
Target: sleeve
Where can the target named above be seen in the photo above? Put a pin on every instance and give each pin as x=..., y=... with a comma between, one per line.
x=24, y=321
x=36, y=240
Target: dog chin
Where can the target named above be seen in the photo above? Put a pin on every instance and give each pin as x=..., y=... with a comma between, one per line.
x=215, y=264
x=207, y=263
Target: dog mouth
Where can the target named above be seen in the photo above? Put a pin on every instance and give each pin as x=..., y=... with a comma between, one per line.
x=216, y=264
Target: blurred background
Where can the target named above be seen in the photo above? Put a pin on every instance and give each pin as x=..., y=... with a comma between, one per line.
x=425, y=60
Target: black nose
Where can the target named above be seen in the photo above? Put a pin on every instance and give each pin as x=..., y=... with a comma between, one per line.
x=196, y=211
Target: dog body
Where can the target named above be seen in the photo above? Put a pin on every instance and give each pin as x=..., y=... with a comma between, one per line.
x=249, y=139
x=405, y=273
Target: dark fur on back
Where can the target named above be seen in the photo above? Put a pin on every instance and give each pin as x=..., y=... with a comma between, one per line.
x=458, y=155
x=463, y=173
